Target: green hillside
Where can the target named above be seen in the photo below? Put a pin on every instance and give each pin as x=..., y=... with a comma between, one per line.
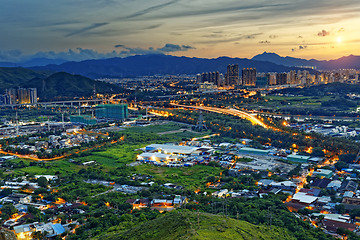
x=64, y=85
x=14, y=77
x=55, y=86
x=190, y=225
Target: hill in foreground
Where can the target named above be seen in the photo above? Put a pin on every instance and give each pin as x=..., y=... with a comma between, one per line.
x=15, y=77
x=63, y=85
x=52, y=86
x=191, y=225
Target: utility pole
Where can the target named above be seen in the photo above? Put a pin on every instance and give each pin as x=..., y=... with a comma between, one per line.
x=146, y=113
x=200, y=125
x=17, y=124
x=62, y=120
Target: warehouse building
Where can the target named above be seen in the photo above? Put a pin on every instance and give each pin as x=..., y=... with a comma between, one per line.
x=171, y=149
x=253, y=151
x=298, y=158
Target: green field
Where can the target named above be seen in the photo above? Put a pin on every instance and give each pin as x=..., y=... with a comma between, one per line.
x=116, y=155
x=189, y=177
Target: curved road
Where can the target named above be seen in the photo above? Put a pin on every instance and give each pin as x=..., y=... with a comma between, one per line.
x=254, y=120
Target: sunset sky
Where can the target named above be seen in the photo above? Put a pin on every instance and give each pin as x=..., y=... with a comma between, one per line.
x=197, y=28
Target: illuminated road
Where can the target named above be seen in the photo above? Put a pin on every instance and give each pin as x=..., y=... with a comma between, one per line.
x=254, y=120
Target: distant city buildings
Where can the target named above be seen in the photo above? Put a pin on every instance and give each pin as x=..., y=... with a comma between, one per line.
x=248, y=77
x=19, y=96
x=232, y=75
x=281, y=78
x=211, y=77
x=251, y=78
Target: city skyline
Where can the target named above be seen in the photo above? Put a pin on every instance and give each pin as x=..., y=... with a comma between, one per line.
x=109, y=28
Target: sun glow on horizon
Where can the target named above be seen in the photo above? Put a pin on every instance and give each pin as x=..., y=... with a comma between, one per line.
x=339, y=40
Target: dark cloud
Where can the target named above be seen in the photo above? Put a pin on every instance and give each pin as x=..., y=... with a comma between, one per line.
x=264, y=42
x=300, y=36
x=273, y=36
x=213, y=35
x=323, y=33
x=85, y=29
x=152, y=27
x=119, y=46
x=136, y=14
x=232, y=39
x=301, y=47
x=10, y=55
x=149, y=10
x=224, y=8
x=175, y=48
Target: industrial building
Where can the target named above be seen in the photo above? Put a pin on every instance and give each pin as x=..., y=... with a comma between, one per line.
x=171, y=149
x=112, y=111
x=298, y=158
x=252, y=151
x=83, y=119
x=156, y=157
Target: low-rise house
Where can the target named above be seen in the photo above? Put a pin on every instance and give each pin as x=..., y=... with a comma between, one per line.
x=288, y=185
x=221, y=194
x=351, y=203
x=18, y=198
x=348, y=185
x=305, y=198
x=320, y=183
x=326, y=173
x=335, y=185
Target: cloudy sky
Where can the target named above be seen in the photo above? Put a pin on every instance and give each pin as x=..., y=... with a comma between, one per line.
x=82, y=29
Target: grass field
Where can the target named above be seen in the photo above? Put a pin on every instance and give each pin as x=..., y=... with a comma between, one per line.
x=189, y=177
x=310, y=101
x=116, y=155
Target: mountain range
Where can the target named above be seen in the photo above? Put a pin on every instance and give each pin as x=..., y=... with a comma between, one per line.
x=153, y=64
x=142, y=65
x=349, y=62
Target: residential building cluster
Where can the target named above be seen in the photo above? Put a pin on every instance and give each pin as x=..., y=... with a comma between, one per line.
x=68, y=139
x=19, y=96
x=19, y=222
x=250, y=77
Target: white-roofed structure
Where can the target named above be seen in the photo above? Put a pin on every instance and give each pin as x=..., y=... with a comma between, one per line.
x=302, y=197
x=156, y=156
x=171, y=149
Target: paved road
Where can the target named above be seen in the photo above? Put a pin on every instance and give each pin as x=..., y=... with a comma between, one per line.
x=254, y=120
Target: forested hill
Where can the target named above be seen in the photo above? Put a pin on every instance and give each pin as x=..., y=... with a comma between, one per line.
x=15, y=77
x=54, y=86
x=191, y=225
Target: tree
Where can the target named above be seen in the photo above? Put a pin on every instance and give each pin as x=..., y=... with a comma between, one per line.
x=340, y=208
x=317, y=152
x=340, y=165
x=7, y=211
x=43, y=182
